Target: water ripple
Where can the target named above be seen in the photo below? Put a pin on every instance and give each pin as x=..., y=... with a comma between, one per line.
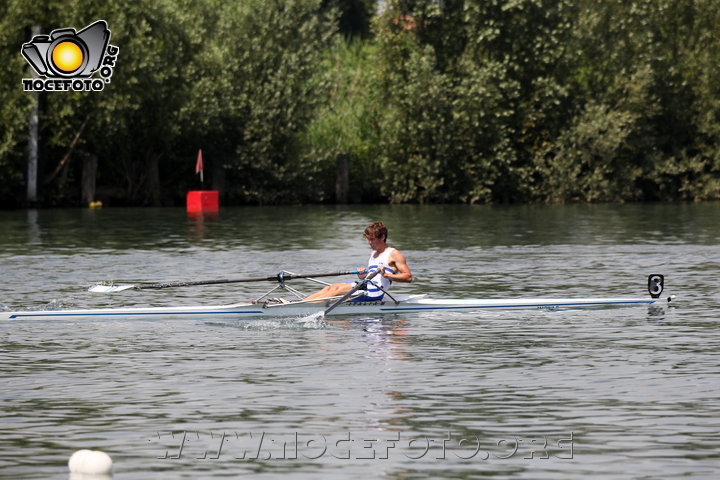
x=633, y=390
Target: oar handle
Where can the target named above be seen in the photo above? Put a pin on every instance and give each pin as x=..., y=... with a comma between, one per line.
x=282, y=276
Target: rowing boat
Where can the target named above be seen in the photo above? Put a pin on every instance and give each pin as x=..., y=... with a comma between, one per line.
x=348, y=307
x=403, y=304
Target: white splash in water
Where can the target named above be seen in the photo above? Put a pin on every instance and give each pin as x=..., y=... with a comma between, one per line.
x=314, y=320
x=54, y=304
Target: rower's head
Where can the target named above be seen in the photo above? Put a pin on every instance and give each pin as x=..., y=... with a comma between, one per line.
x=376, y=231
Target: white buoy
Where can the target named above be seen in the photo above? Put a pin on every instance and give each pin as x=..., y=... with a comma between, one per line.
x=91, y=462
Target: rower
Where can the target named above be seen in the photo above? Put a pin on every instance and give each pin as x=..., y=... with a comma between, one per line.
x=388, y=260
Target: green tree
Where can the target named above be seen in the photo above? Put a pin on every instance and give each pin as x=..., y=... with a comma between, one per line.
x=636, y=86
x=261, y=96
x=690, y=125
x=14, y=103
x=346, y=121
x=453, y=101
x=473, y=89
x=189, y=73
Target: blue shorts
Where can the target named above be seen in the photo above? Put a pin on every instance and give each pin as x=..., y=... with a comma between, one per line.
x=367, y=298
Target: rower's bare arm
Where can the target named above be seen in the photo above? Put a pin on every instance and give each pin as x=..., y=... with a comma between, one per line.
x=401, y=267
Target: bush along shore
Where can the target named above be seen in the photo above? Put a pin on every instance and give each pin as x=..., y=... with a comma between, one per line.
x=305, y=101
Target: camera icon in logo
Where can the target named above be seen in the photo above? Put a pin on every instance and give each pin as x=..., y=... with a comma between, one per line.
x=67, y=53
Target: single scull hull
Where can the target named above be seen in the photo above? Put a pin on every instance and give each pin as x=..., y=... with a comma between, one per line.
x=412, y=303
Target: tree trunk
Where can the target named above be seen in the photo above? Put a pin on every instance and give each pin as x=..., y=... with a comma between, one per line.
x=89, y=175
x=34, y=123
x=152, y=185
x=342, y=179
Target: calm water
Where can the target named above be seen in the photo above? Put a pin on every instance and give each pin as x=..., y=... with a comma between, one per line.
x=622, y=393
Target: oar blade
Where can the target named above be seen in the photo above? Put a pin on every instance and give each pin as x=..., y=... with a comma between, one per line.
x=109, y=288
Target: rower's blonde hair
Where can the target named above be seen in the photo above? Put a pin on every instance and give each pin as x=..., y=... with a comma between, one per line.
x=376, y=230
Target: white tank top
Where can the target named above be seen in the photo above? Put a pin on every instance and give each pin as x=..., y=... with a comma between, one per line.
x=373, y=264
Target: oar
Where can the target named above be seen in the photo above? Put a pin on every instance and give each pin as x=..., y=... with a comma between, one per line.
x=357, y=287
x=280, y=277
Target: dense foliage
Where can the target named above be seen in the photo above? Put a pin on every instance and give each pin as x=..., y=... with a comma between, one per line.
x=431, y=101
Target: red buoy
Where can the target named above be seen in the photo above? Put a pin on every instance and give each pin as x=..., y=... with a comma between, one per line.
x=203, y=201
